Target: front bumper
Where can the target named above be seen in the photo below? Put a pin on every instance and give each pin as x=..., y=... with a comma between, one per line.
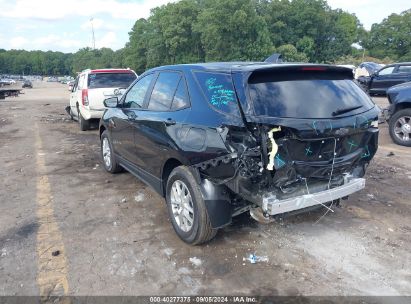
x=272, y=206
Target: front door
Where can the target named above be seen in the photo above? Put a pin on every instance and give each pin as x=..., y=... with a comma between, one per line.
x=383, y=79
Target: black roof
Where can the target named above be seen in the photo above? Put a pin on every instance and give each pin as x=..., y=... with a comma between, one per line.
x=242, y=66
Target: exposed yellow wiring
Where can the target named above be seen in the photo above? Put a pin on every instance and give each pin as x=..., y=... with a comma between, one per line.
x=274, y=148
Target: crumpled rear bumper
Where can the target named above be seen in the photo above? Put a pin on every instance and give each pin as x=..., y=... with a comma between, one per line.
x=272, y=206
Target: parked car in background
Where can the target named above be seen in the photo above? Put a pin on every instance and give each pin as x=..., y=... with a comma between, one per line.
x=8, y=81
x=220, y=139
x=386, y=77
x=27, y=84
x=4, y=82
x=91, y=88
x=366, y=69
x=399, y=113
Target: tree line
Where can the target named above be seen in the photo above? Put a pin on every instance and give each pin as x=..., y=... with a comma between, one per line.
x=213, y=30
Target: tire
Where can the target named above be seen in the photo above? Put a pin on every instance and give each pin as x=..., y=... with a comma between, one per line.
x=200, y=230
x=110, y=163
x=84, y=124
x=70, y=112
x=401, y=121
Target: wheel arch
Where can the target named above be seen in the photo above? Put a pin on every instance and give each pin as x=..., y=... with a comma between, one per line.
x=216, y=198
x=402, y=106
x=168, y=167
x=101, y=130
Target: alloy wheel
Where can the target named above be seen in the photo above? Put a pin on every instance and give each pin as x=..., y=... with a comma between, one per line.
x=182, y=205
x=402, y=128
x=106, y=152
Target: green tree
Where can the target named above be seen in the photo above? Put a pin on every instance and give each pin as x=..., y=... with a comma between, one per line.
x=232, y=30
x=312, y=26
x=391, y=38
x=135, y=51
x=290, y=53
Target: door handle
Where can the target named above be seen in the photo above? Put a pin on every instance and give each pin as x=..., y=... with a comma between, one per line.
x=169, y=122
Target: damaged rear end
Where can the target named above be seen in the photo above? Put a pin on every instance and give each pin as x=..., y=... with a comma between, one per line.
x=310, y=134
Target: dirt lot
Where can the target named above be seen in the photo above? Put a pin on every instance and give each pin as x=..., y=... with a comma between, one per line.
x=68, y=227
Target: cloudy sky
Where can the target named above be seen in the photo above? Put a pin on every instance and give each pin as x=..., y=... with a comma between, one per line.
x=65, y=25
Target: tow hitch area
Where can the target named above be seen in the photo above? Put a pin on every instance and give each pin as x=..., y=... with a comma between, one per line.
x=276, y=169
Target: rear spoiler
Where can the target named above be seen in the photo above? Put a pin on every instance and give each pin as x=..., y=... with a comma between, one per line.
x=284, y=72
x=274, y=58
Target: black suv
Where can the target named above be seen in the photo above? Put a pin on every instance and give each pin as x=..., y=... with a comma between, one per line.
x=220, y=139
x=399, y=113
x=390, y=75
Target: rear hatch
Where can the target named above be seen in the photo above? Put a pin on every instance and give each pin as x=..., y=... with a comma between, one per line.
x=304, y=92
x=326, y=120
x=102, y=85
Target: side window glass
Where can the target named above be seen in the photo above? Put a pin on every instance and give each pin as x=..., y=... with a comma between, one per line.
x=163, y=91
x=135, y=97
x=219, y=91
x=181, y=97
x=80, y=84
x=386, y=71
x=75, y=85
x=404, y=69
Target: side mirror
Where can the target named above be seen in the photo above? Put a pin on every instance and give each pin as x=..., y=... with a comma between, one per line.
x=111, y=102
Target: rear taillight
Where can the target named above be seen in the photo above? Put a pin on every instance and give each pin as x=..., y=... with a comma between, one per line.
x=84, y=97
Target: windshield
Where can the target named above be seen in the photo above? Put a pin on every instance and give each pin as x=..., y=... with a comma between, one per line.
x=308, y=98
x=110, y=80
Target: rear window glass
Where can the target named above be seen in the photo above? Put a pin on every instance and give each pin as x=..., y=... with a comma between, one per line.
x=110, y=80
x=314, y=97
x=219, y=91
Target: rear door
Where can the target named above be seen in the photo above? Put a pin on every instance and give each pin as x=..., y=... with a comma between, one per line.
x=102, y=85
x=403, y=73
x=124, y=121
x=156, y=127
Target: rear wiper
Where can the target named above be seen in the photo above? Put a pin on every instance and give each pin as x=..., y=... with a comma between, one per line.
x=342, y=111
